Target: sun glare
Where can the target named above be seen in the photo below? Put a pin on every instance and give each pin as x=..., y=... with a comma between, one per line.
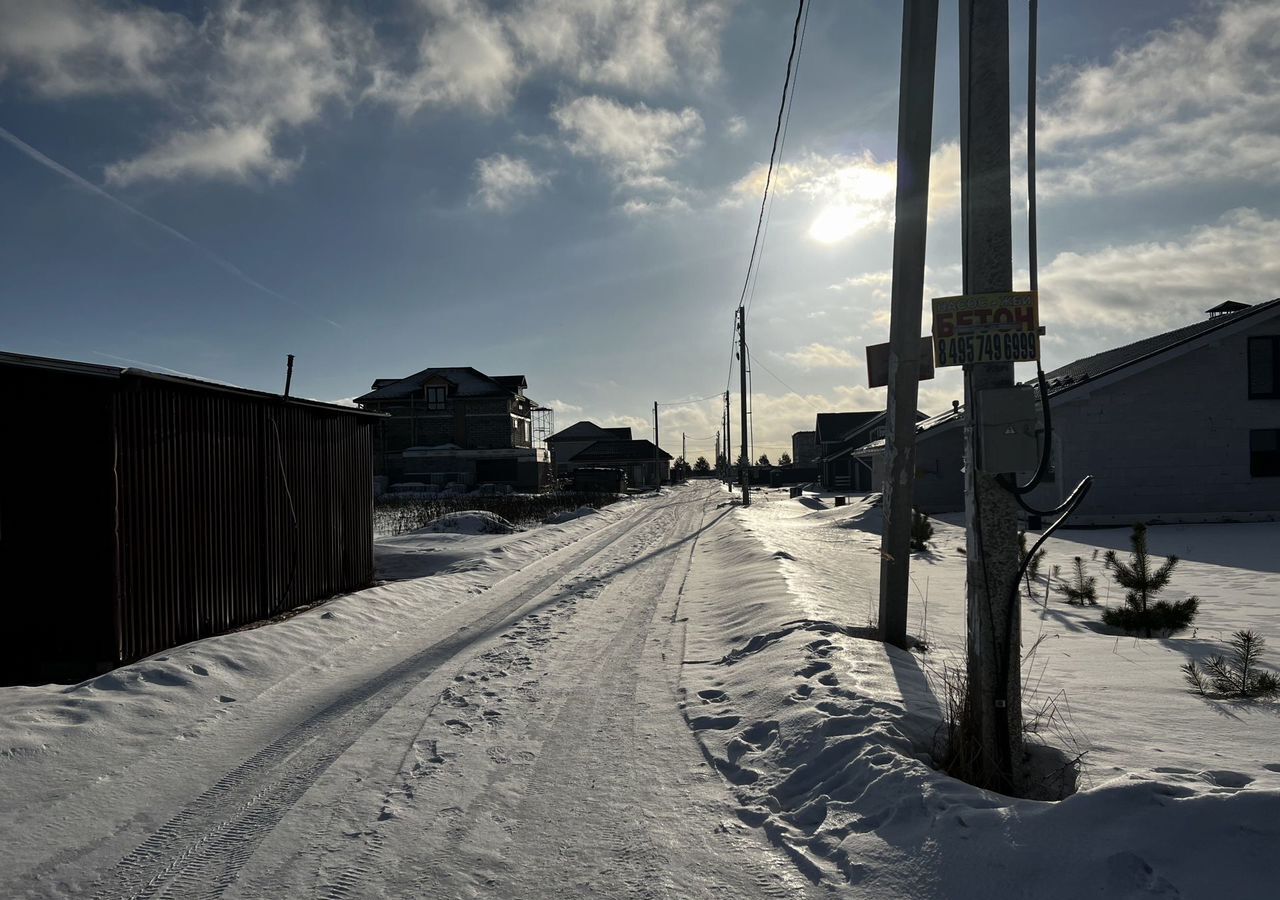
x=835, y=223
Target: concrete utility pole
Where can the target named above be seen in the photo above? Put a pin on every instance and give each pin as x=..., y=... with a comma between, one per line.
x=657, y=467
x=728, y=439
x=744, y=469
x=915, y=135
x=991, y=521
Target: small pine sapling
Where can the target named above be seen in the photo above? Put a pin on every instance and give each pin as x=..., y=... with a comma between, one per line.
x=1082, y=589
x=1238, y=676
x=1141, y=612
x=921, y=530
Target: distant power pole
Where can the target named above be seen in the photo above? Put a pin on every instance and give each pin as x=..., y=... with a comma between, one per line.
x=657, y=466
x=744, y=468
x=728, y=439
x=684, y=448
x=717, y=457
x=915, y=126
x=991, y=521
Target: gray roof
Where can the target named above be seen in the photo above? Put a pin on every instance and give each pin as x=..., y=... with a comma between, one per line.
x=836, y=426
x=1086, y=369
x=639, y=451
x=467, y=382
x=1074, y=374
x=590, y=431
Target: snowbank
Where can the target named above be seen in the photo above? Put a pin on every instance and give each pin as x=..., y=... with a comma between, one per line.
x=826, y=738
x=472, y=521
x=569, y=515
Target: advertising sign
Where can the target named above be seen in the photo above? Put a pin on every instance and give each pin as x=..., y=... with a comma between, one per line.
x=986, y=328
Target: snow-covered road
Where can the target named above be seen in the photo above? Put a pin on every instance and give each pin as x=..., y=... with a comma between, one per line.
x=521, y=739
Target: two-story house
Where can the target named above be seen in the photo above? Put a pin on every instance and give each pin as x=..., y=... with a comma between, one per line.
x=456, y=426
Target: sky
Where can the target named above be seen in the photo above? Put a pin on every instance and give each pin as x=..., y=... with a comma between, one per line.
x=568, y=190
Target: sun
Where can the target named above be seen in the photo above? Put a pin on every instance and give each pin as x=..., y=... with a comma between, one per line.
x=837, y=222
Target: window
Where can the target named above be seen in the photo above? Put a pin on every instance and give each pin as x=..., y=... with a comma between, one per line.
x=1264, y=453
x=1264, y=367
x=435, y=397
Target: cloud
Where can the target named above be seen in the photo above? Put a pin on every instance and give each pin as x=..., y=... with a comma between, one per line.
x=1153, y=286
x=464, y=60
x=852, y=193
x=635, y=144
x=735, y=127
x=1196, y=102
x=269, y=69
x=78, y=48
x=502, y=181
x=474, y=55
x=822, y=356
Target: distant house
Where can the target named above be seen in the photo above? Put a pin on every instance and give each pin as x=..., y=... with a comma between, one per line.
x=804, y=448
x=586, y=444
x=458, y=426
x=577, y=437
x=837, y=436
x=1180, y=427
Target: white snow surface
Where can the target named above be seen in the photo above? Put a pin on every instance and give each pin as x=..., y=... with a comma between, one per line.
x=666, y=699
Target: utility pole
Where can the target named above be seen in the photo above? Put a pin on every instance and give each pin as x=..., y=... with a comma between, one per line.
x=915, y=135
x=717, y=456
x=657, y=467
x=728, y=439
x=744, y=468
x=684, y=449
x=991, y=525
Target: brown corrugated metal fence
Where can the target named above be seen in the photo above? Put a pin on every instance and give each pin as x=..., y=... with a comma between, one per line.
x=230, y=509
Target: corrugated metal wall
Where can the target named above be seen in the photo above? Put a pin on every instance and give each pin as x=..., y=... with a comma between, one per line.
x=231, y=509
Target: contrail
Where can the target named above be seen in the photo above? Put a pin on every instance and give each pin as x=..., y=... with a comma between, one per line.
x=217, y=260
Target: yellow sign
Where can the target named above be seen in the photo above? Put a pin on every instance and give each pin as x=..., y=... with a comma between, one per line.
x=986, y=328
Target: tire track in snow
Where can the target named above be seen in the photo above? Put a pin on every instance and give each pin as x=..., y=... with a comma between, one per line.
x=199, y=852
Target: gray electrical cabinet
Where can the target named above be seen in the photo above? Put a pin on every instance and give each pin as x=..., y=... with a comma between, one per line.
x=1007, y=429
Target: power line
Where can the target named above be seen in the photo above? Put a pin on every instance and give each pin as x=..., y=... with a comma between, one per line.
x=782, y=144
x=773, y=153
x=715, y=396
x=787, y=386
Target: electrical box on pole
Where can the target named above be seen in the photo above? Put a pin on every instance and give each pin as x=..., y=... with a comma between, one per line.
x=915, y=129
x=993, y=732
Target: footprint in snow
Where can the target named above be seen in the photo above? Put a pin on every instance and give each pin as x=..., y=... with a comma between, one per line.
x=198, y=670
x=713, y=696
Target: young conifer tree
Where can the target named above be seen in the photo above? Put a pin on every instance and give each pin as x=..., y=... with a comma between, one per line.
x=1142, y=612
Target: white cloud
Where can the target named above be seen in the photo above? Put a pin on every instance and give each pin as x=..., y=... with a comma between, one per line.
x=269, y=69
x=641, y=45
x=822, y=356
x=735, y=127
x=75, y=48
x=1199, y=101
x=853, y=193
x=634, y=143
x=464, y=60
x=475, y=55
x=1151, y=287
x=502, y=181
x=238, y=153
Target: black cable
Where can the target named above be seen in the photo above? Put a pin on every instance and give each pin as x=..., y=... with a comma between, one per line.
x=773, y=153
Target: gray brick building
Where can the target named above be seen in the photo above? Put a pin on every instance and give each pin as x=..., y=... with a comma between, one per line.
x=457, y=426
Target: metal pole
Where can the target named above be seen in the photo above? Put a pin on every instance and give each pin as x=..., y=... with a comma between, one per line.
x=1032, y=251
x=728, y=440
x=915, y=134
x=744, y=469
x=288, y=375
x=994, y=622
x=657, y=469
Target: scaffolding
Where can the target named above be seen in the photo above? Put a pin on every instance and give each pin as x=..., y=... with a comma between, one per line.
x=543, y=425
